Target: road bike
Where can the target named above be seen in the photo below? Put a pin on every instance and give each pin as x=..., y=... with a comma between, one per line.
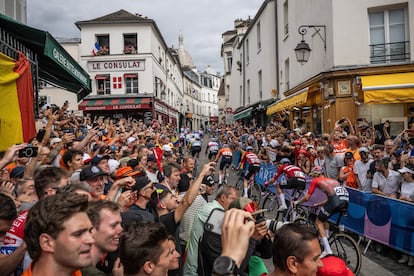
x=342, y=244
x=254, y=190
x=271, y=203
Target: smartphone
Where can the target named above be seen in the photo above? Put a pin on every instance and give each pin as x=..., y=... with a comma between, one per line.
x=28, y=152
x=215, y=221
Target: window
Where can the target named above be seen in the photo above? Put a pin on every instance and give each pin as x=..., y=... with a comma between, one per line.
x=388, y=33
x=285, y=17
x=131, y=83
x=130, y=43
x=287, y=73
x=247, y=51
x=103, y=44
x=259, y=77
x=248, y=92
x=259, y=41
x=229, y=59
x=103, y=84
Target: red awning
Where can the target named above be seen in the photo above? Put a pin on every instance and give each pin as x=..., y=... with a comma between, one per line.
x=115, y=104
x=131, y=76
x=102, y=77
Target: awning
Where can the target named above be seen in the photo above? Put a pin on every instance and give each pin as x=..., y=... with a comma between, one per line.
x=115, y=104
x=388, y=88
x=298, y=99
x=55, y=64
x=243, y=114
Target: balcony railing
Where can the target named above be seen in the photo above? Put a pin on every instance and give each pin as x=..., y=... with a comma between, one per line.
x=390, y=52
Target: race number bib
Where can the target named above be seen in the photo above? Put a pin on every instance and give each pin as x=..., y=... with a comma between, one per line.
x=341, y=191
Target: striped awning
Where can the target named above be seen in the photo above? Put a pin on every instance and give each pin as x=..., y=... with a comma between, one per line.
x=115, y=104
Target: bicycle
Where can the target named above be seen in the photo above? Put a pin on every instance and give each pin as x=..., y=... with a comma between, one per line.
x=254, y=191
x=342, y=244
x=271, y=203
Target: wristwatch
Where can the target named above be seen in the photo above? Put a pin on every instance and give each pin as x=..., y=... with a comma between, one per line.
x=224, y=266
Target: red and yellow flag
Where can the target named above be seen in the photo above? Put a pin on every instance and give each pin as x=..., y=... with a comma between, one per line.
x=17, y=121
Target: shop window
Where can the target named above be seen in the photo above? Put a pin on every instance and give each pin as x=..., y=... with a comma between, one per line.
x=102, y=45
x=131, y=83
x=103, y=85
x=130, y=43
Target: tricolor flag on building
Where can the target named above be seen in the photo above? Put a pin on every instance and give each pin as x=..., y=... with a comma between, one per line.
x=96, y=49
x=17, y=121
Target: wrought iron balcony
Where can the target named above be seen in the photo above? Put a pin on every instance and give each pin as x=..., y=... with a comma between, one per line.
x=390, y=52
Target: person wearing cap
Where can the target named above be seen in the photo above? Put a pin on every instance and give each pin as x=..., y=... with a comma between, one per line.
x=151, y=170
x=346, y=173
x=251, y=163
x=337, y=202
x=407, y=194
x=385, y=182
x=102, y=162
x=361, y=168
x=94, y=177
x=140, y=210
x=287, y=177
x=334, y=266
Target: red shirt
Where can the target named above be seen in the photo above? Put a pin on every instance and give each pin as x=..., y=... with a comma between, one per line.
x=324, y=184
x=290, y=171
x=250, y=158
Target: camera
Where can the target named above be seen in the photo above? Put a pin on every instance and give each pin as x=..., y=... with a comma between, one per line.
x=341, y=121
x=28, y=152
x=272, y=225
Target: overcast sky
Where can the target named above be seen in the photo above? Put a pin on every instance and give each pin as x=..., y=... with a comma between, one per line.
x=201, y=21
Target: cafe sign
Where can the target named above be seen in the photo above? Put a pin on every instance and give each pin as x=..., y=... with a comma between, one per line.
x=116, y=65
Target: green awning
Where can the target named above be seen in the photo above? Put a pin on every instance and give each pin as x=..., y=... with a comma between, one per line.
x=55, y=64
x=243, y=114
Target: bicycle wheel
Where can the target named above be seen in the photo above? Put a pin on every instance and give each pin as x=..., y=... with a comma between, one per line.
x=270, y=204
x=345, y=247
x=239, y=186
x=255, y=193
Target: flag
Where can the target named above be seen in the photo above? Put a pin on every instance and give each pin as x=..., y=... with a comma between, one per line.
x=96, y=49
x=17, y=121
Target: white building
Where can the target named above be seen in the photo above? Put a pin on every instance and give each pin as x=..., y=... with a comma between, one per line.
x=134, y=72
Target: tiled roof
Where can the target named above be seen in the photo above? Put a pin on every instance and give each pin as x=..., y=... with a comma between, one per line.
x=118, y=16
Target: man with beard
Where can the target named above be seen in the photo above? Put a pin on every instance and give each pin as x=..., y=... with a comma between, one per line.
x=106, y=220
x=58, y=236
x=361, y=168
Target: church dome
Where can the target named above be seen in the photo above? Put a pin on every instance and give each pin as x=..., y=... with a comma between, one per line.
x=185, y=58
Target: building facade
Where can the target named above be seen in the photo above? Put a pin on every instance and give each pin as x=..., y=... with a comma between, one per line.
x=355, y=68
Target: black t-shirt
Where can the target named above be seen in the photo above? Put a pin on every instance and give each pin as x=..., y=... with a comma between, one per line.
x=136, y=214
x=172, y=227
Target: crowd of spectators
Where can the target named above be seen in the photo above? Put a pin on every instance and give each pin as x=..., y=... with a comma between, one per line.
x=147, y=210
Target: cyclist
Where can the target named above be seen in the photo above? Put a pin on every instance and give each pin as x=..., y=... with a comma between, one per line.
x=212, y=149
x=226, y=155
x=251, y=163
x=338, y=199
x=195, y=147
x=287, y=177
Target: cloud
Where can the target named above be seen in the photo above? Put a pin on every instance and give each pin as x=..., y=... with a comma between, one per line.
x=202, y=22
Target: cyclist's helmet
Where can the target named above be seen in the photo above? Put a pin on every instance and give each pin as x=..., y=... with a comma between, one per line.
x=249, y=148
x=197, y=138
x=284, y=161
x=316, y=171
x=225, y=145
x=214, y=139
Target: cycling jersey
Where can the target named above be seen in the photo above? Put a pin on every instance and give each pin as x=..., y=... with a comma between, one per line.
x=290, y=171
x=196, y=143
x=250, y=158
x=338, y=197
x=213, y=147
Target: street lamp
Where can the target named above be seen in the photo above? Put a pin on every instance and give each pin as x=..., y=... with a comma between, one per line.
x=303, y=50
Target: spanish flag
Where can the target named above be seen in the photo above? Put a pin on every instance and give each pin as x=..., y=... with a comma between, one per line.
x=17, y=121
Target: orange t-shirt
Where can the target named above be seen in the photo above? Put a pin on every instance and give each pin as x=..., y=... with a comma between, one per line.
x=28, y=272
x=350, y=180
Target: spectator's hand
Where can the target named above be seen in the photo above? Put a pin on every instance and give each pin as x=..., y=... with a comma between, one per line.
x=124, y=198
x=11, y=153
x=260, y=231
x=7, y=188
x=238, y=227
x=67, y=138
x=125, y=182
x=208, y=168
x=118, y=269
